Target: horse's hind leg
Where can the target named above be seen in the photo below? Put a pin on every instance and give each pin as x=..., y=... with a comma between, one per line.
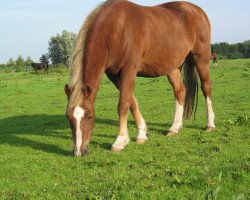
x=202, y=63
x=179, y=90
x=134, y=108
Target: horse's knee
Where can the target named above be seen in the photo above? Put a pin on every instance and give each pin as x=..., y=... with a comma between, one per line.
x=123, y=108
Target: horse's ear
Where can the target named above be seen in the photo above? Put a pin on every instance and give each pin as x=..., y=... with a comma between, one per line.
x=67, y=90
x=87, y=90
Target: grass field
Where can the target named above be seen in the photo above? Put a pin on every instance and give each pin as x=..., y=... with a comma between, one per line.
x=35, y=142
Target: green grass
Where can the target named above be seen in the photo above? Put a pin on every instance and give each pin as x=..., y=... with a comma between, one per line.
x=35, y=142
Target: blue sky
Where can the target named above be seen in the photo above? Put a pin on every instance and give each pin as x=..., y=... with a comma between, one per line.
x=27, y=25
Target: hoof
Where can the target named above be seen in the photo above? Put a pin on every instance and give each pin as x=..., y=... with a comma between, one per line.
x=116, y=150
x=210, y=128
x=120, y=143
x=171, y=133
x=140, y=141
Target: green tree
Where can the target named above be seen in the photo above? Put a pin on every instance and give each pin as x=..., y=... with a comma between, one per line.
x=27, y=63
x=19, y=63
x=247, y=49
x=217, y=48
x=224, y=46
x=61, y=47
x=2, y=67
x=11, y=63
x=44, y=58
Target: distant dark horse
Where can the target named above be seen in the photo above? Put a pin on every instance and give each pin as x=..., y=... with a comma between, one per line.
x=39, y=66
x=214, y=58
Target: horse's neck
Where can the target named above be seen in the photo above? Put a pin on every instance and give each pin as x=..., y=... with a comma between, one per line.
x=92, y=79
x=94, y=67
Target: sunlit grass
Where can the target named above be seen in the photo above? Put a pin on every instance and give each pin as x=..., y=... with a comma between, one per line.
x=36, y=160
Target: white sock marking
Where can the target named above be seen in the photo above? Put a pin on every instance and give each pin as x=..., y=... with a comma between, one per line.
x=78, y=114
x=210, y=114
x=177, y=119
x=121, y=142
x=142, y=130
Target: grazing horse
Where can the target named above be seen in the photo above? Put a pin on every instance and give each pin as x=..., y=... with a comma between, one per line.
x=39, y=66
x=126, y=40
x=214, y=58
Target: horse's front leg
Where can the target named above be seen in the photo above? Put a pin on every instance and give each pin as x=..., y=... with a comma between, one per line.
x=127, y=81
x=134, y=108
x=142, y=127
x=179, y=90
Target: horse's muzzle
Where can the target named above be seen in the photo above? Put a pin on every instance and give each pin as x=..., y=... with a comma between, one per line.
x=82, y=152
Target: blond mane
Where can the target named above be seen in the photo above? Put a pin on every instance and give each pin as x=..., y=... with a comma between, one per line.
x=76, y=60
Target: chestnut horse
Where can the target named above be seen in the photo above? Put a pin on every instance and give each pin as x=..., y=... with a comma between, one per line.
x=214, y=58
x=125, y=40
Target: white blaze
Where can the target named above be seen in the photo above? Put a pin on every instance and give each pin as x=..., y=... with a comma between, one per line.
x=210, y=113
x=78, y=115
x=177, y=119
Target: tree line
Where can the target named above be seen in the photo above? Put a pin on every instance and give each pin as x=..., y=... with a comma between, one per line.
x=232, y=51
x=60, y=48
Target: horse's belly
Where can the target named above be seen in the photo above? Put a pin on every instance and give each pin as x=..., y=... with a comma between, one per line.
x=153, y=70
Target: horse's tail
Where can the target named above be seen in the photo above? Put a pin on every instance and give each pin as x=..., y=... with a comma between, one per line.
x=191, y=84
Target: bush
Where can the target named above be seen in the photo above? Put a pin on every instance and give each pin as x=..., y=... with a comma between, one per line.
x=59, y=69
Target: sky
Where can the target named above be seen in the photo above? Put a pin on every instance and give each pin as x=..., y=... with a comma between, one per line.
x=26, y=26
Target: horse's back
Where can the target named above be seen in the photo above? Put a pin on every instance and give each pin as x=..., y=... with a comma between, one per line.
x=149, y=36
x=180, y=20
x=180, y=11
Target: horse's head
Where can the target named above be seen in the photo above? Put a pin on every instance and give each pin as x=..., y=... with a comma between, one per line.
x=81, y=120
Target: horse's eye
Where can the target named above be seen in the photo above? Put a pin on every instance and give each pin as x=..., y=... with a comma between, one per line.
x=88, y=117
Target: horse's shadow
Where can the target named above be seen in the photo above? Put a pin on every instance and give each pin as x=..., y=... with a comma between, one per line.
x=22, y=131
x=19, y=131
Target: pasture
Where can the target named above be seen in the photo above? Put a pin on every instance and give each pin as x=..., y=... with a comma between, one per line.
x=35, y=142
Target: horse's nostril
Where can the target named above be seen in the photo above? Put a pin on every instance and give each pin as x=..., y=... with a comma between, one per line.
x=85, y=151
x=82, y=152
